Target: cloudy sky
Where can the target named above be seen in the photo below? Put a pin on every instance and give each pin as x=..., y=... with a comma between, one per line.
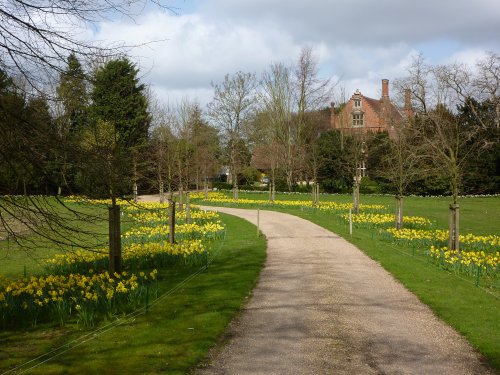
x=356, y=42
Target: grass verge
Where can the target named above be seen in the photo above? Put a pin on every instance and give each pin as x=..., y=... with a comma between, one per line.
x=470, y=310
x=173, y=336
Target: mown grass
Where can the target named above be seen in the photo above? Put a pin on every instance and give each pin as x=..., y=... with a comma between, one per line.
x=472, y=311
x=174, y=335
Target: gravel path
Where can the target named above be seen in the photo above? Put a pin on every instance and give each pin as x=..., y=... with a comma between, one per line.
x=323, y=307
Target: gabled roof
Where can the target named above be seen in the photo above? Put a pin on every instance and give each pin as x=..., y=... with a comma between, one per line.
x=378, y=105
x=374, y=103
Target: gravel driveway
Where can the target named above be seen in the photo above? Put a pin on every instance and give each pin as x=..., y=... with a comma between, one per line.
x=323, y=307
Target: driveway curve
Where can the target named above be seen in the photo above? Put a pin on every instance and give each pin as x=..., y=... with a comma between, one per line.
x=321, y=306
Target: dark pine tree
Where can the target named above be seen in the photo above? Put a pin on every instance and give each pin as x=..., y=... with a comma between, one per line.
x=118, y=98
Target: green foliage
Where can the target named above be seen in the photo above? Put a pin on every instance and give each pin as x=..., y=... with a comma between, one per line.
x=334, y=175
x=222, y=186
x=482, y=175
x=27, y=142
x=369, y=186
x=111, y=143
x=250, y=175
x=118, y=98
x=72, y=92
x=105, y=166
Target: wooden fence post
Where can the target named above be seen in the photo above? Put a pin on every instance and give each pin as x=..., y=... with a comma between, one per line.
x=115, y=244
x=171, y=234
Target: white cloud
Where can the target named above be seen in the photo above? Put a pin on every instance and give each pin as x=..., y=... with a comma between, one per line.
x=190, y=52
x=361, y=42
x=468, y=57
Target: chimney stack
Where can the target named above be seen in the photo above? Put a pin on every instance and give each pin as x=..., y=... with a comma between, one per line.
x=408, y=107
x=385, y=88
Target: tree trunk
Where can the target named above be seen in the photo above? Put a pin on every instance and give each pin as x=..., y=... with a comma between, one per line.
x=135, y=192
x=188, y=209
x=454, y=232
x=115, y=249
x=355, y=194
x=399, y=212
x=313, y=194
x=235, y=192
x=162, y=193
x=205, y=187
x=181, y=193
x=289, y=179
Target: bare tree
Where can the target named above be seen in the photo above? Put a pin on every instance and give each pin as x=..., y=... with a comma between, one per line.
x=161, y=159
x=230, y=108
x=462, y=83
x=37, y=36
x=357, y=152
x=277, y=98
x=418, y=82
x=205, y=142
x=450, y=141
x=183, y=130
x=402, y=164
x=487, y=83
x=340, y=99
x=450, y=144
x=311, y=93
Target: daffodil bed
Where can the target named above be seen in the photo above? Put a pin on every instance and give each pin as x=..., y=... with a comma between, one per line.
x=218, y=198
x=77, y=285
x=479, y=254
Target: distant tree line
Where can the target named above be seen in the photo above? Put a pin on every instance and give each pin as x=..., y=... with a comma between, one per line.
x=102, y=133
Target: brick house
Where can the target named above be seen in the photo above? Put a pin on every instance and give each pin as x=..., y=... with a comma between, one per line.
x=364, y=114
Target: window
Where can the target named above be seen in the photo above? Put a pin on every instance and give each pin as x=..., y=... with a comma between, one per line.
x=357, y=103
x=357, y=119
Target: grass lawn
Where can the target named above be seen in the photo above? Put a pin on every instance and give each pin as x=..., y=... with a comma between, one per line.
x=176, y=333
x=478, y=215
x=28, y=259
x=472, y=311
